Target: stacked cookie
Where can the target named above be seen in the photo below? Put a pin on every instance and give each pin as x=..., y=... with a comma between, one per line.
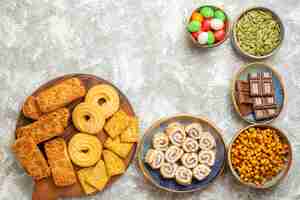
x=182, y=152
x=101, y=110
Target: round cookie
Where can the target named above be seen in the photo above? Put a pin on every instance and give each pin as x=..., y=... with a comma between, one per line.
x=88, y=118
x=85, y=150
x=105, y=97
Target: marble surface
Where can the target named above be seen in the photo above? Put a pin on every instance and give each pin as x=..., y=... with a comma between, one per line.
x=142, y=47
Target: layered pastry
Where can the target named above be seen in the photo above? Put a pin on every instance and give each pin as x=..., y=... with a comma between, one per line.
x=160, y=141
x=176, y=134
x=48, y=126
x=194, y=130
x=182, y=153
x=117, y=124
x=183, y=175
x=190, y=145
x=189, y=160
x=114, y=164
x=131, y=134
x=31, y=158
x=207, y=141
x=173, y=154
x=155, y=158
x=60, y=164
x=201, y=171
x=118, y=147
x=168, y=170
x=207, y=157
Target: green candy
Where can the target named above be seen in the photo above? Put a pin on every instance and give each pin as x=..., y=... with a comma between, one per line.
x=211, y=38
x=194, y=26
x=220, y=15
x=207, y=11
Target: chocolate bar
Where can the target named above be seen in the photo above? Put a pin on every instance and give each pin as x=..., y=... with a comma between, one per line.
x=264, y=102
x=267, y=87
x=266, y=75
x=255, y=88
x=242, y=86
x=265, y=114
x=245, y=109
x=244, y=98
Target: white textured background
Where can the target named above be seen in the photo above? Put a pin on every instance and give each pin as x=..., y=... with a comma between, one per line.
x=142, y=47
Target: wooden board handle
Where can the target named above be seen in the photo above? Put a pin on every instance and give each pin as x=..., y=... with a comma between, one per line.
x=44, y=190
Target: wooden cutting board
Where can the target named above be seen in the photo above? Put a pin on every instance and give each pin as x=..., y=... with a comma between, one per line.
x=45, y=189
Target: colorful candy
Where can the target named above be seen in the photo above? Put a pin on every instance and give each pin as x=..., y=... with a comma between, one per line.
x=207, y=25
x=195, y=35
x=216, y=24
x=207, y=11
x=197, y=17
x=210, y=38
x=203, y=38
x=220, y=35
x=220, y=15
x=194, y=26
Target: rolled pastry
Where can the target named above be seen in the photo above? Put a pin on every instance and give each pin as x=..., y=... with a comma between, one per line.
x=194, y=130
x=176, y=134
x=183, y=175
x=155, y=158
x=189, y=160
x=207, y=141
x=201, y=171
x=167, y=170
x=173, y=154
x=190, y=145
x=207, y=157
x=160, y=141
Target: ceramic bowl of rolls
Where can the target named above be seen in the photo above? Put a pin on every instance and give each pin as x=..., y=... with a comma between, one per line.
x=182, y=153
x=260, y=156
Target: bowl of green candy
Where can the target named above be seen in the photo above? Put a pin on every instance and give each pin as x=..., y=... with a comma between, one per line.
x=257, y=33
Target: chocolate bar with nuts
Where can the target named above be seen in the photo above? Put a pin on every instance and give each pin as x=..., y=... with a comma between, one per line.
x=244, y=98
x=255, y=88
x=242, y=86
x=267, y=87
x=264, y=102
x=265, y=114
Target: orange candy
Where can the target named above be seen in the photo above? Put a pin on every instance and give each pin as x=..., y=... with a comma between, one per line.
x=197, y=16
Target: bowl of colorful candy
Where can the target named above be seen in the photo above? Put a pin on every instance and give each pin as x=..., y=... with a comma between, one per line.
x=260, y=156
x=208, y=26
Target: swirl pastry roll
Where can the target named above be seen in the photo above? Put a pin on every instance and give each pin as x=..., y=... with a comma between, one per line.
x=160, y=141
x=183, y=175
x=176, y=134
x=201, y=171
x=88, y=118
x=167, y=170
x=155, y=158
x=190, y=145
x=189, y=160
x=173, y=154
x=207, y=141
x=194, y=130
x=207, y=157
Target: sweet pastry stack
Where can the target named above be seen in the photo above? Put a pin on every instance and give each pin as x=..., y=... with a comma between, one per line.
x=182, y=153
x=257, y=95
x=94, y=161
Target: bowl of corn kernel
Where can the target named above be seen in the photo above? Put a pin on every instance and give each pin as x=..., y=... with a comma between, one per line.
x=260, y=156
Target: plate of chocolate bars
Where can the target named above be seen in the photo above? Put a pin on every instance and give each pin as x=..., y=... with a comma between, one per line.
x=258, y=93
